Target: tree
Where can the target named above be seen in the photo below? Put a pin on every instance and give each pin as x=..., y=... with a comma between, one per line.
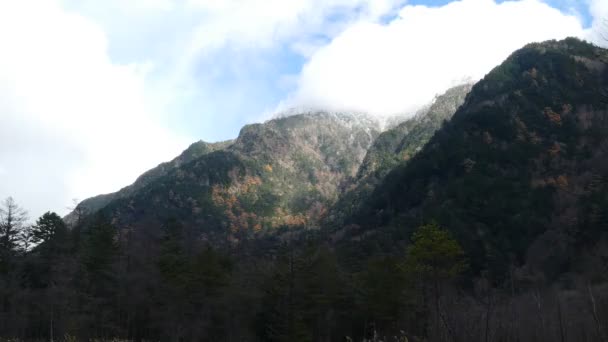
x=46, y=271
x=434, y=258
x=434, y=254
x=381, y=292
x=99, y=285
x=12, y=220
x=26, y=238
x=193, y=281
x=48, y=228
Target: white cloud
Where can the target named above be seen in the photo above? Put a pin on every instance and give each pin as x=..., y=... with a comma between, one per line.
x=72, y=122
x=85, y=85
x=599, y=27
x=254, y=24
x=396, y=67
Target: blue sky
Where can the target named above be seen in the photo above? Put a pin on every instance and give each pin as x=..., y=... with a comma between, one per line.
x=247, y=83
x=244, y=82
x=93, y=93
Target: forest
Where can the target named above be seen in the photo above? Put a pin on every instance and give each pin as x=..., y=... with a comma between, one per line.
x=100, y=282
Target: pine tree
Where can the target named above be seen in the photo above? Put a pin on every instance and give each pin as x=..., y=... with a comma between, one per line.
x=12, y=221
x=99, y=260
x=48, y=227
x=434, y=259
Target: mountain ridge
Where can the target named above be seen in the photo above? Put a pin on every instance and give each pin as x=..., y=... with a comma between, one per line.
x=506, y=172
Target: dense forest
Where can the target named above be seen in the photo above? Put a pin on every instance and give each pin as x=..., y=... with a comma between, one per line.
x=482, y=218
x=160, y=284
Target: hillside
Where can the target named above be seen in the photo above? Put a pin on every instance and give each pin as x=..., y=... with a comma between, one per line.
x=194, y=151
x=396, y=146
x=518, y=175
x=284, y=172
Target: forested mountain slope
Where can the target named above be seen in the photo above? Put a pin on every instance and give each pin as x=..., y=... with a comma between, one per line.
x=519, y=174
x=194, y=151
x=396, y=146
x=284, y=172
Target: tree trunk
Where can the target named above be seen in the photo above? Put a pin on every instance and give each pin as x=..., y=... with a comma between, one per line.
x=596, y=319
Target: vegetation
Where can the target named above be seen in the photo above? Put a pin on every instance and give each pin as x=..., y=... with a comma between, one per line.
x=493, y=229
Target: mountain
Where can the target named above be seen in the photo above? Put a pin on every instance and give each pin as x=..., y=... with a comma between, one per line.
x=397, y=146
x=518, y=164
x=401, y=142
x=284, y=172
x=194, y=151
x=325, y=152
x=519, y=174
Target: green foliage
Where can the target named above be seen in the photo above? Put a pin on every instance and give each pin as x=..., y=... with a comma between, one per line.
x=382, y=290
x=396, y=146
x=434, y=254
x=48, y=227
x=304, y=296
x=172, y=261
x=101, y=248
x=12, y=225
x=493, y=173
x=193, y=281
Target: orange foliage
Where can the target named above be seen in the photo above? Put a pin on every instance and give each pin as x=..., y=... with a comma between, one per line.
x=553, y=116
x=228, y=199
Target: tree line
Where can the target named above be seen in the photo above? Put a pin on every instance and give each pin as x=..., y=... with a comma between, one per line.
x=96, y=281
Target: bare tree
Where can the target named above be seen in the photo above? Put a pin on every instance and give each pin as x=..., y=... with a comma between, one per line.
x=26, y=238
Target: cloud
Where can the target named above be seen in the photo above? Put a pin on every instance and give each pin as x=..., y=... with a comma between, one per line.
x=396, y=67
x=72, y=122
x=93, y=93
x=599, y=26
x=246, y=25
x=86, y=86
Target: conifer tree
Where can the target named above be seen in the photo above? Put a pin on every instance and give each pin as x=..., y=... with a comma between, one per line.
x=12, y=221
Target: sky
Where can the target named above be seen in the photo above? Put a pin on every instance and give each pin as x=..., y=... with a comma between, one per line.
x=94, y=93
